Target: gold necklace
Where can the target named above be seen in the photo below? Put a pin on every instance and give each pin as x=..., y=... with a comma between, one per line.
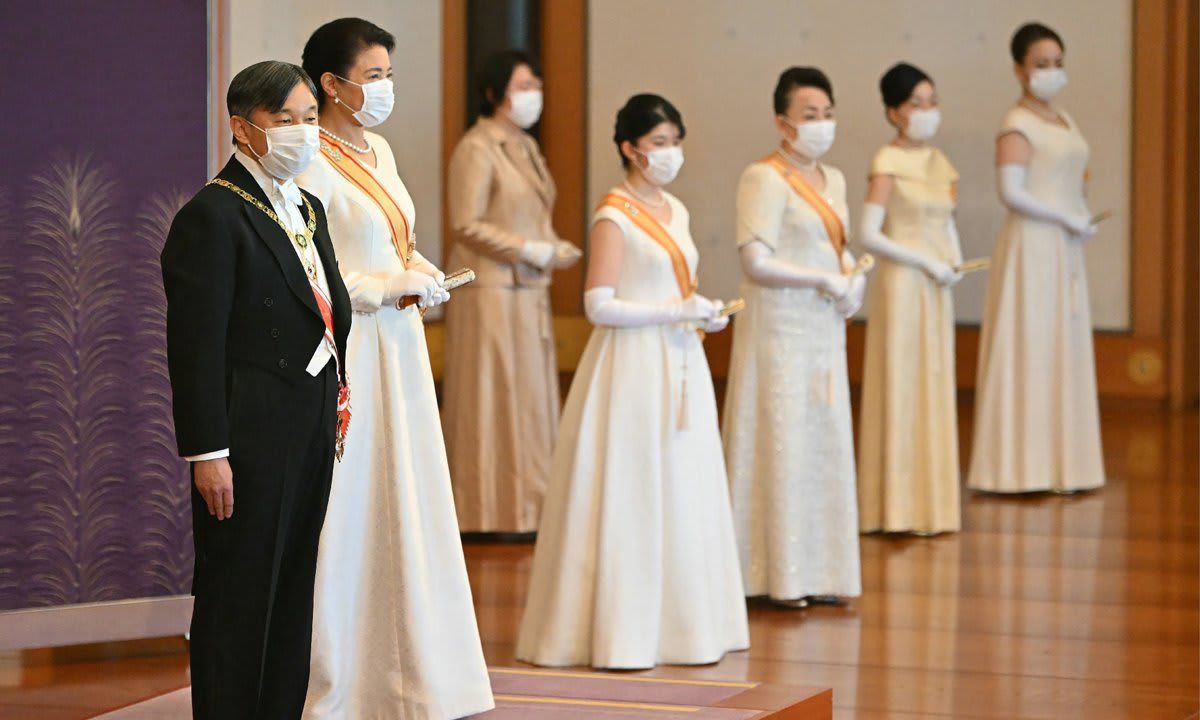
x=302, y=240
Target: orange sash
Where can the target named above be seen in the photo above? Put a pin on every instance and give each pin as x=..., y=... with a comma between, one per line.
x=641, y=217
x=363, y=179
x=829, y=217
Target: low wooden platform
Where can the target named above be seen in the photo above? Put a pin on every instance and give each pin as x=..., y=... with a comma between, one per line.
x=529, y=694
x=568, y=695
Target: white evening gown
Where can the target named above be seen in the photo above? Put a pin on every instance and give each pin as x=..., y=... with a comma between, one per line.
x=1037, y=420
x=788, y=441
x=394, y=631
x=636, y=562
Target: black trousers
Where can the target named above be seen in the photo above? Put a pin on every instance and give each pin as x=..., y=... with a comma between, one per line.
x=253, y=585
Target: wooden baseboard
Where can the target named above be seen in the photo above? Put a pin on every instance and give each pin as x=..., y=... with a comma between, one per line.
x=95, y=622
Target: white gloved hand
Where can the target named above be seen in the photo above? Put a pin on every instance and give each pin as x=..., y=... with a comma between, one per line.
x=853, y=300
x=1080, y=227
x=566, y=254
x=940, y=272
x=605, y=309
x=421, y=285
x=718, y=322
x=835, y=285
x=696, y=308
x=538, y=253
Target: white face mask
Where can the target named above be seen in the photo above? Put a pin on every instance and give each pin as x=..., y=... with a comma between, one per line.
x=526, y=108
x=379, y=96
x=290, y=149
x=1047, y=83
x=923, y=124
x=813, y=139
x=663, y=164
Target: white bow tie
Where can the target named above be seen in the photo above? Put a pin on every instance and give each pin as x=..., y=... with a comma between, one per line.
x=290, y=192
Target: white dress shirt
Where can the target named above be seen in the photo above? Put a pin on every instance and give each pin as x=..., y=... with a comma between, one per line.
x=286, y=201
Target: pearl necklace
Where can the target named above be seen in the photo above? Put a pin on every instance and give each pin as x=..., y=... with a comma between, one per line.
x=347, y=143
x=662, y=201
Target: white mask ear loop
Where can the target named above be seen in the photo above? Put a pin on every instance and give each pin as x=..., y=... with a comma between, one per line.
x=251, y=146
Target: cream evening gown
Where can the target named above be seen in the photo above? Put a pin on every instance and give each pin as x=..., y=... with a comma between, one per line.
x=1037, y=420
x=908, y=439
x=636, y=562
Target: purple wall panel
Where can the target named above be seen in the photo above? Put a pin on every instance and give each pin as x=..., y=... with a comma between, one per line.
x=105, y=117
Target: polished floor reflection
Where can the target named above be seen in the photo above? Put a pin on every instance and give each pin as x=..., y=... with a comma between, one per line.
x=1046, y=606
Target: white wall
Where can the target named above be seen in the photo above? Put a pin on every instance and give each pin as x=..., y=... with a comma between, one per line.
x=277, y=30
x=718, y=61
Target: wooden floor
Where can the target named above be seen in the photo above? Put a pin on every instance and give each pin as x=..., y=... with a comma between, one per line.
x=1043, y=607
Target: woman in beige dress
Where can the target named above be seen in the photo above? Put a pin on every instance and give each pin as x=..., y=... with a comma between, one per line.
x=1037, y=421
x=501, y=403
x=908, y=437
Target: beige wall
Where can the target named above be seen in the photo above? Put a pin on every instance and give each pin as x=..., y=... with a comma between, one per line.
x=718, y=60
x=257, y=30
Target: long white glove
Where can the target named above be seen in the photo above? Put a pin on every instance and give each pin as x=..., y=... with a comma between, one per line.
x=412, y=282
x=718, y=322
x=874, y=240
x=605, y=309
x=1010, y=179
x=853, y=300
x=538, y=253
x=421, y=264
x=760, y=265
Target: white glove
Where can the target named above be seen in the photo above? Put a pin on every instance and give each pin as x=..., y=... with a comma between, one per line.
x=835, y=285
x=1080, y=227
x=566, y=254
x=411, y=282
x=853, y=299
x=718, y=322
x=442, y=294
x=1011, y=181
x=873, y=239
x=941, y=273
x=538, y=253
x=603, y=308
x=760, y=265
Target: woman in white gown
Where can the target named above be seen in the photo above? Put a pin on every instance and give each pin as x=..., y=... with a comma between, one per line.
x=787, y=432
x=636, y=562
x=394, y=632
x=1037, y=420
x=908, y=474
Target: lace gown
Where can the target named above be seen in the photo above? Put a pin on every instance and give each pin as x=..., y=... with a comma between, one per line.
x=787, y=435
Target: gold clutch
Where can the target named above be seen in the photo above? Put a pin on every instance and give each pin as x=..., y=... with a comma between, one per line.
x=864, y=265
x=735, y=305
x=458, y=278
x=970, y=266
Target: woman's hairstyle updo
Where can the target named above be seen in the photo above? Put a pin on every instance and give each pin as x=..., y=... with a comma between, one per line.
x=799, y=77
x=333, y=48
x=641, y=114
x=495, y=74
x=897, y=84
x=1027, y=35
